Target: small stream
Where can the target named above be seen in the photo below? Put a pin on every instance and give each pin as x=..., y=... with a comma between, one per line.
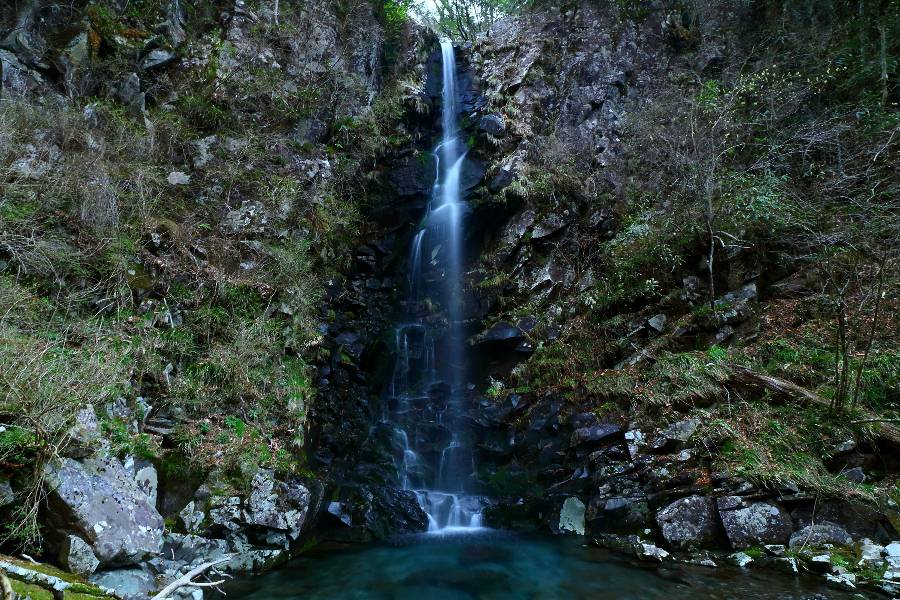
x=492, y=565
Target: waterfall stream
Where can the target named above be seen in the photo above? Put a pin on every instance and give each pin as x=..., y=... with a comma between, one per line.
x=428, y=392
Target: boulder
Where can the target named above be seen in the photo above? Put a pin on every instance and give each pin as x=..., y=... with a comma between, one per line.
x=76, y=556
x=820, y=534
x=131, y=584
x=98, y=500
x=571, y=516
x=594, y=435
x=689, y=522
x=276, y=504
x=753, y=524
x=178, y=178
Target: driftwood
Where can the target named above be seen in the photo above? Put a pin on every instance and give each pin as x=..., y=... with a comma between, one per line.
x=884, y=431
x=187, y=580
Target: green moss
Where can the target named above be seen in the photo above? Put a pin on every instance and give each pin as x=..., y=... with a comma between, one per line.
x=29, y=590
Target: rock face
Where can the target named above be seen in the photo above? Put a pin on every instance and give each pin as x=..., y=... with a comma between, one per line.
x=689, y=522
x=753, y=524
x=98, y=500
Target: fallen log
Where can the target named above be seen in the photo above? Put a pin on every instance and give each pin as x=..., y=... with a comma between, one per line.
x=884, y=430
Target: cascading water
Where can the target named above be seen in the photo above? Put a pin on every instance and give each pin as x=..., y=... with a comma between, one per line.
x=428, y=390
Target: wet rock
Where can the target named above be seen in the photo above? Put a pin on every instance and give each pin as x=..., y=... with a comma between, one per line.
x=650, y=552
x=621, y=514
x=76, y=556
x=689, y=522
x=192, y=549
x=818, y=535
x=98, y=500
x=788, y=565
x=501, y=333
x=844, y=581
x=571, y=516
x=820, y=563
x=413, y=175
x=753, y=524
x=342, y=512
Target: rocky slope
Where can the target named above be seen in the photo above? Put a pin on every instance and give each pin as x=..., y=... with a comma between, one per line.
x=180, y=185
x=638, y=380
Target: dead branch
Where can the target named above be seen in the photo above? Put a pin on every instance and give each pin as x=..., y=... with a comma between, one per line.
x=187, y=580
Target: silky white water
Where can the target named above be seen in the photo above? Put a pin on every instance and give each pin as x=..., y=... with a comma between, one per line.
x=428, y=387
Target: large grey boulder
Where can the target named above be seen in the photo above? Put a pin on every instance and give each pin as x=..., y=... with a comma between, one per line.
x=820, y=534
x=98, y=500
x=689, y=522
x=76, y=556
x=753, y=524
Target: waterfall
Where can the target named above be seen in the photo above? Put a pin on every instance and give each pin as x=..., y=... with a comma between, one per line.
x=428, y=391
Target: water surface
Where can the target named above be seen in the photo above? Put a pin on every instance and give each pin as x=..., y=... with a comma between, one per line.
x=490, y=565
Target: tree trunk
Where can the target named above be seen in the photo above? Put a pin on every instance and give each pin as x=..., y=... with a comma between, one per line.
x=862, y=363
